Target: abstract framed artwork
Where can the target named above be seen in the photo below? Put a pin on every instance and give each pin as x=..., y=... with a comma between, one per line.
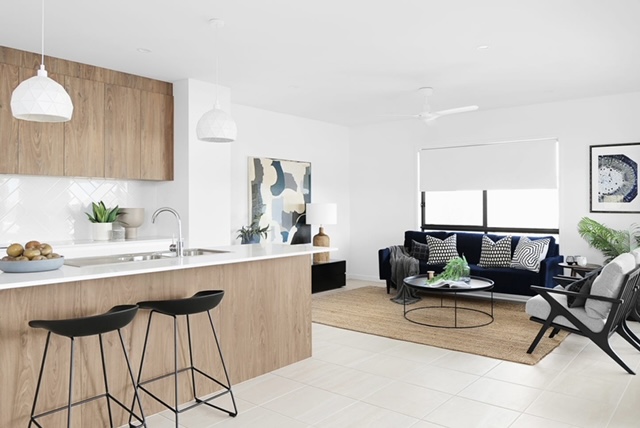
x=613, y=177
x=279, y=192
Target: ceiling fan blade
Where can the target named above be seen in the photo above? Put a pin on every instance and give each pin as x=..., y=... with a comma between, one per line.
x=455, y=110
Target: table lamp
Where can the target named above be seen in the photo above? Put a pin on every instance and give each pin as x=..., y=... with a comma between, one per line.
x=321, y=214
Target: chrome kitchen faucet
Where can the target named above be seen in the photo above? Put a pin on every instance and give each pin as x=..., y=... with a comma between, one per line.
x=179, y=248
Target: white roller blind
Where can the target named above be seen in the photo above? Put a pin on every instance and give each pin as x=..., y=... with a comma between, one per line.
x=529, y=164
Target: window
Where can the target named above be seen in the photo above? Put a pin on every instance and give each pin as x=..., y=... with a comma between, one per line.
x=502, y=187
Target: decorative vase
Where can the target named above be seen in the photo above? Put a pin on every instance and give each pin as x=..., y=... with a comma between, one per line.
x=466, y=274
x=255, y=239
x=131, y=219
x=101, y=231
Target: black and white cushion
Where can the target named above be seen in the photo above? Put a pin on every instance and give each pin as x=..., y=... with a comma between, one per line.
x=495, y=254
x=419, y=250
x=529, y=253
x=441, y=251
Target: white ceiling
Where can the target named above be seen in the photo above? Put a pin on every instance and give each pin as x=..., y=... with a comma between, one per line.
x=351, y=61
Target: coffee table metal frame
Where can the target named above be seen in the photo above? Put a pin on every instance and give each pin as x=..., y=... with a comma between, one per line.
x=418, y=283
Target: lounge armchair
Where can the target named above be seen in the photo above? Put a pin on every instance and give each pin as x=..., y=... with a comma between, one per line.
x=608, y=303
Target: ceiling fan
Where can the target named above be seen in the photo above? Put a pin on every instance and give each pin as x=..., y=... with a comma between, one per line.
x=428, y=116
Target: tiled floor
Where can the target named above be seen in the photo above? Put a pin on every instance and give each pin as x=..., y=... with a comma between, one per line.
x=359, y=380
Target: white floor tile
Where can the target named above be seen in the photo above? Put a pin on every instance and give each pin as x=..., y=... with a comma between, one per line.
x=408, y=399
x=265, y=388
x=263, y=418
x=341, y=354
x=385, y=365
x=571, y=410
x=366, y=415
x=529, y=421
x=440, y=379
x=309, y=404
x=592, y=388
x=533, y=376
x=499, y=393
x=463, y=413
x=468, y=363
x=416, y=352
x=351, y=382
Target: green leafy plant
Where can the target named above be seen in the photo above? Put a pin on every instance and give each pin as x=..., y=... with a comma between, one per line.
x=102, y=214
x=455, y=269
x=610, y=242
x=249, y=233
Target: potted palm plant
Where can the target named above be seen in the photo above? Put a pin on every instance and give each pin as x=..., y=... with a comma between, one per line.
x=251, y=234
x=102, y=219
x=610, y=242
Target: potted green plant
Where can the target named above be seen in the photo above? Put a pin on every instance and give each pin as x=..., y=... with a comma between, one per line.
x=102, y=219
x=610, y=242
x=457, y=269
x=251, y=234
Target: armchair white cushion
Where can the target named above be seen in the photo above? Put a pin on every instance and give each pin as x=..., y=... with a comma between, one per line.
x=539, y=308
x=608, y=284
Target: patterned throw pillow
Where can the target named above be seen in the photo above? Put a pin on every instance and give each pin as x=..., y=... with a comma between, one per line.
x=419, y=250
x=441, y=251
x=495, y=254
x=528, y=254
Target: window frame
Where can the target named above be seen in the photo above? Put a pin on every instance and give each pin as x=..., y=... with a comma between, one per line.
x=484, y=228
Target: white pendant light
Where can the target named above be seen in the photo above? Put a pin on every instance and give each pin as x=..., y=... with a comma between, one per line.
x=216, y=126
x=39, y=98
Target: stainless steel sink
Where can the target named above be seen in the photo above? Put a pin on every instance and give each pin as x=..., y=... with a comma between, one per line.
x=137, y=257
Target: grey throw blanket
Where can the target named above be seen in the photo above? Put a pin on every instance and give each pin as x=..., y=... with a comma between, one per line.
x=402, y=266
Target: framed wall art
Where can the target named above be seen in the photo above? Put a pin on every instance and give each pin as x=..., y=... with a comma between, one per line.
x=279, y=192
x=614, y=178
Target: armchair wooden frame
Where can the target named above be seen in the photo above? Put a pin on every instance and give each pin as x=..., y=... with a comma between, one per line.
x=616, y=322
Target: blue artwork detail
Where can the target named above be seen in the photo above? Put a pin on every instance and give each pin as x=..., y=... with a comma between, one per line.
x=617, y=179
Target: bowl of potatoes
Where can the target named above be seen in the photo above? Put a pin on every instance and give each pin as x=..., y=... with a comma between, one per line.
x=32, y=257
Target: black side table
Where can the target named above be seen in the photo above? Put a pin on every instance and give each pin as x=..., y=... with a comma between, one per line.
x=328, y=275
x=580, y=271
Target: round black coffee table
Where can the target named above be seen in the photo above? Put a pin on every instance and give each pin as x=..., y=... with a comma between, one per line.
x=419, y=283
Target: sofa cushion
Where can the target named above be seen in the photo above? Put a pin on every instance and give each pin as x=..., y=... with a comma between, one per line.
x=539, y=308
x=495, y=254
x=441, y=251
x=419, y=251
x=529, y=253
x=608, y=284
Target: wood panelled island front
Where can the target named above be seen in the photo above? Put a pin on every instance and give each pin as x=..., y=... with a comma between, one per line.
x=263, y=322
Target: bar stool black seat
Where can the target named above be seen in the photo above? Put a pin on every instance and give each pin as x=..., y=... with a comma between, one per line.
x=203, y=301
x=113, y=320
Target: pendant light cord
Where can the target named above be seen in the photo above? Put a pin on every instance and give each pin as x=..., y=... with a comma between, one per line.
x=215, y=46
x=42, y=37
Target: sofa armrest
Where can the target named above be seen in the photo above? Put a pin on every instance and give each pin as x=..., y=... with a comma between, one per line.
x=549, y=268
x=384, y=263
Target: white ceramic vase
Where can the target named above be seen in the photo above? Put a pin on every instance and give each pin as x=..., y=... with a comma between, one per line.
x=101, y=231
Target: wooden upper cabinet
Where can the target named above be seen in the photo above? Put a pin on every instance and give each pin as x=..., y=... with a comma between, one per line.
x=41, y=145
x=156, y=138
x=122, y=124
x=9, y=79
x=122, y=132
x=84, y=133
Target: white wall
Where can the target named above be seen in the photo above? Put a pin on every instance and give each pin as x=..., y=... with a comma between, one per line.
x=384, y=194
x=264, y=133
x=201, y=188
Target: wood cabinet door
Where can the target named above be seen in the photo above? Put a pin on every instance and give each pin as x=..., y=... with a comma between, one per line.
x=122, y=132
x=9, y=79
x=84, y=133
x=156, y=115
x=41, y=145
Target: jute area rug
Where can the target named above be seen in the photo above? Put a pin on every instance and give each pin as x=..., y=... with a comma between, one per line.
x=369, y=310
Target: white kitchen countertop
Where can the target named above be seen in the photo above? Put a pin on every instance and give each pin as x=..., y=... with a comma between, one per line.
x=235, y=254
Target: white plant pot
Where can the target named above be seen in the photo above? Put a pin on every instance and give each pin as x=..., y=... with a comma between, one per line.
x=101, y=231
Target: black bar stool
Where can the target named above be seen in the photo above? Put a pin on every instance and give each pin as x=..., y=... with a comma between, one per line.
x=115, y=319
x=203, y=301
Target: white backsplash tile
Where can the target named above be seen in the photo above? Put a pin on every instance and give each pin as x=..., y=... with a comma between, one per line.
x=52, y=208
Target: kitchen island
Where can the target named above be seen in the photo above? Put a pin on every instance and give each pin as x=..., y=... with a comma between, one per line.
x=263, y=322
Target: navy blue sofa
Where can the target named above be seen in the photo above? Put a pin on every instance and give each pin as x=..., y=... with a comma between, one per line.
x=506, y=280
